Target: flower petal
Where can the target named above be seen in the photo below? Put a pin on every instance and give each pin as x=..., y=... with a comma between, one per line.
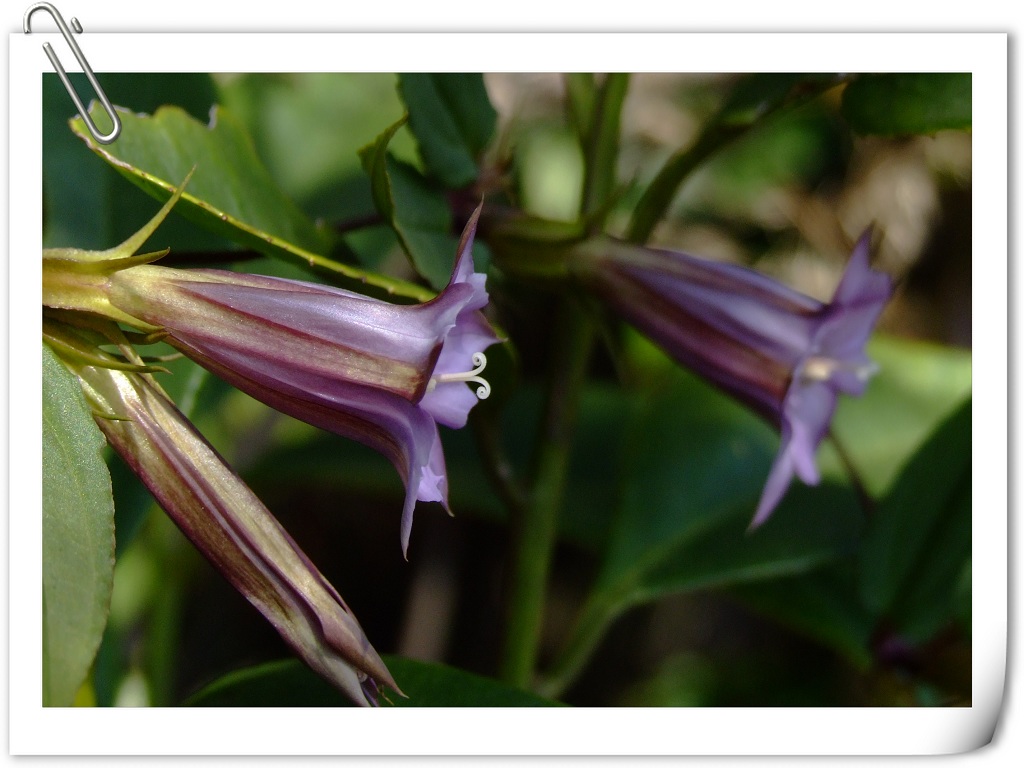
x=779, y=478
x=808, y=411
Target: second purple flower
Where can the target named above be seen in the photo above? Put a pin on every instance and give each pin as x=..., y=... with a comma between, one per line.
x=784, y=354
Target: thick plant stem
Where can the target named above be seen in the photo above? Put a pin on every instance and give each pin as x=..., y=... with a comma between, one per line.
x=534, y=529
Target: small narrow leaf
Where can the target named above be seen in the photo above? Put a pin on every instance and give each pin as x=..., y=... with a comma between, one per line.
x=416, y=211
x=601, y=151
x=78, y=535
x=453, y=121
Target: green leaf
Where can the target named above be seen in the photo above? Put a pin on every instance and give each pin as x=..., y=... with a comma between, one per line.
x=453, y=121
x=601, y=151
x=823, y=605
x=694, y=470
x=934, y=597
x=904, y=103
x=291, y=684
x=88, y=204
x=695, y=464
x=230, y=193
x=692, y=457
x=417, y=211
x=78, y=535
x=962, y=602
x=305, y=124
x=920, y=535
x=811, y=527
x=229, y=179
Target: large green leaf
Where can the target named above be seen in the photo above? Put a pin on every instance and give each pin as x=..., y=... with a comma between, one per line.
x=417, y=211
x=87, y=203
x=695, y=464
x=230, y=193
x=453, y=121
x=693, y=469
x=698, y=456
x=908, y=102
x=229, y=180
x=693, y=473
x=813, y=526
x=291, y=684
x=919, y=538
x=78, y=534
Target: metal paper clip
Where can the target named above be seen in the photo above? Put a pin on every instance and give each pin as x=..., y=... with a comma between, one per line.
x=102, y=138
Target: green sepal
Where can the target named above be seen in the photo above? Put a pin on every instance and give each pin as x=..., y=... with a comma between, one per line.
x=77, y=348
x=123, y=256
x=75, y=279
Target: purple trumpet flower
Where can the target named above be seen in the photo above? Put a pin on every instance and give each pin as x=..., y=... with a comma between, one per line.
x=782, y=353
x=380, y=373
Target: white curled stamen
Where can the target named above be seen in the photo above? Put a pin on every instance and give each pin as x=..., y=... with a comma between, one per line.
x=480, y=361
x=822, y=368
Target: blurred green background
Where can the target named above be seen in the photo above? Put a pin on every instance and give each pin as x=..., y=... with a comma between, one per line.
x=665, y=471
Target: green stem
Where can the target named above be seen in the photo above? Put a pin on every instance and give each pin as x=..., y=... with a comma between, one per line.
x=591, y=624
x=867, y=502
x=580, y=97
x=496, y=465
x=660, y=194
x=534, y=530
x=755, y=100
x=358, y=222
x=602, y=150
